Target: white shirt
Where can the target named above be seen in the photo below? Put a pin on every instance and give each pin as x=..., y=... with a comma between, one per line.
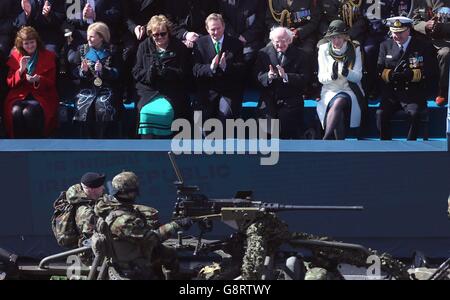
x=405, y=44
x=220, y=48
x=220, y=41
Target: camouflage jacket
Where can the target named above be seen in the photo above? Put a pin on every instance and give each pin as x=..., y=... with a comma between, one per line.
x=85, y=217
x=425, y=10
x=135, y=231
x=131, y=221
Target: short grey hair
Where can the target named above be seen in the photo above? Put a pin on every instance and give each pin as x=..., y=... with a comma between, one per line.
x=279, y=29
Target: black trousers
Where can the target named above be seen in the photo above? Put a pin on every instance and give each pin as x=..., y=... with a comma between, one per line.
x=388, y=108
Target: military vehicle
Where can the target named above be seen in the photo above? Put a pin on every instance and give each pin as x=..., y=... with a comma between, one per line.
x=261, y=248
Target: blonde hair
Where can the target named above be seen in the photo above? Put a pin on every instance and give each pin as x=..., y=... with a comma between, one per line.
x=214, y=17
x=101, y=29
x=158, y=21
x=24, y=34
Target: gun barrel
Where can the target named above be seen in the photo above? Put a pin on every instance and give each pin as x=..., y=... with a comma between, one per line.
x=283, y=207
x=175, y=168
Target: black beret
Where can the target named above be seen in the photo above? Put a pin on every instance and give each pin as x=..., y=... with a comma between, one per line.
x=93, y=180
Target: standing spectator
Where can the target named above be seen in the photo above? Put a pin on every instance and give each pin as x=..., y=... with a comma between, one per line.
x=340, y=72
x=83, y=13
x=301, y=16
x=98, y=104
x=46, y=16
x=283, y=73
x=218, y=66
x=8, y=12
x=188, y=17
x=245, y=21
x=30, y=109
x=351, y=12
x=433, y=20
x=405, y=63
x=161, y=72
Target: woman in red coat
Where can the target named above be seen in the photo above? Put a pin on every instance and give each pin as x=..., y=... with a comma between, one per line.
x=30, y=108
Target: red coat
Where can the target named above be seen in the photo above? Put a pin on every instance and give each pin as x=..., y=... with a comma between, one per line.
x=45, y=93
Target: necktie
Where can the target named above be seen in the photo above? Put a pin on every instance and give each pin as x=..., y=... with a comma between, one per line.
x=217, y=47
x=280, y=57
x=401, y=50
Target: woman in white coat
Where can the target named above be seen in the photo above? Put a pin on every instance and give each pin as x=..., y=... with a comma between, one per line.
x=340, y=72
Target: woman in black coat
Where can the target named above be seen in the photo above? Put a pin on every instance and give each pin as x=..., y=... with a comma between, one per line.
x=162, y=74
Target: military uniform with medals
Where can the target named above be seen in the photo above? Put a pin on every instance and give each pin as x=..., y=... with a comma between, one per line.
x=350, y=11
x=301, y=15
x=404, y=70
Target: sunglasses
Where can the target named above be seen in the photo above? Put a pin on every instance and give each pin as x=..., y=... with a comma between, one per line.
x=161, y=34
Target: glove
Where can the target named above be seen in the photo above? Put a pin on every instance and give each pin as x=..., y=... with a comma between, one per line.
x=396, y=76
x=345, y=69
x=334, y=75
x=408, y=74
x=184, y=223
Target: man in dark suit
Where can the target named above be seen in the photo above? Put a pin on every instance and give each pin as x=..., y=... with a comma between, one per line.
x=46, y=16
x=188, y=17
x=405, y=63
x=283, y=72
x=218, y=66
x=245, y=21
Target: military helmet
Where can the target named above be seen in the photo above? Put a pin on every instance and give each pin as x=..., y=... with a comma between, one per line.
x=125, y=182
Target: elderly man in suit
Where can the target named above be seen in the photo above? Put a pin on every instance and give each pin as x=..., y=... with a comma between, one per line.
x=218, y=65
x=283, y=72
x=405, y=63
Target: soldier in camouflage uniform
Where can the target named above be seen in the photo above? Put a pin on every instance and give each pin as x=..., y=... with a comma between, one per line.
x=432, y=18
x=90, y=188
x=136, y=232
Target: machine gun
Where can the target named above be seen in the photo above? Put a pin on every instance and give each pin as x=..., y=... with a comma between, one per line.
x=238, y=212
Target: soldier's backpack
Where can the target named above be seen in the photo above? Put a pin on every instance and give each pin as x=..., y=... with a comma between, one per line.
x=63, y=221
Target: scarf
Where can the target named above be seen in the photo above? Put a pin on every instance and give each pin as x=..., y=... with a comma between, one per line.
x=32, y=63
x=347, y=54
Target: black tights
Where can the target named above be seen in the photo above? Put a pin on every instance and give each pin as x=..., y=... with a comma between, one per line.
x=335, y=122
x=28, y=119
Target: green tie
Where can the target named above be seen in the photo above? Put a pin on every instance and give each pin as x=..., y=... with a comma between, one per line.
x=217, y=47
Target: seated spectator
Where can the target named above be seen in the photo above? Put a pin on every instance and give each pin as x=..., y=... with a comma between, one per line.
x=431, y=19
x=405, y=64
x=46, y=16
x=137, y=13
x=218, y=66
x=340, y=72
x=162, y=71
x=98, y=105
x=30, y=109
x=283, y=73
